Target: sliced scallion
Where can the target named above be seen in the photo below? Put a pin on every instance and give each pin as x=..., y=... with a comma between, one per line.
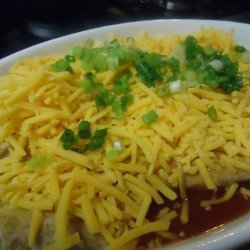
x=99, y=101
x=163, y=91
x=97, y=140
x=150, y=117
x=68, y=138
x=212, y=113
x=84, y=130
x=69, y=58
x=122, y=85
x=239, y=48
x=61, y=65
x=118, y=110
x=113, y=153
x=36, y=162
x=76, y=51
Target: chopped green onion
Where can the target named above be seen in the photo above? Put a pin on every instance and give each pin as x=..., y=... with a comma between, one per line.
x=113, y=153
x=113, y=62
x=36, y=162
x=194, y=64
x=110, y=98
x=190, y=48
x=174, y=64
x=68, y=138
x=233, y=84
x=148, y=75
x=76, y=51
x=100, y=133
x=125, y=99
x=69, y=58
x=210, y=53
x=230, y=67
x=154, y=60
x=99, y=101
x=189, y=75
x=87, y=85
x=212, y=113
x=97, y=140
x=84, y=130
x=149, y=117
x=163, y=91
x=239, y=48
x=208, y=76
x=118, y=110
x=89, y=76
x=61, y=65
x=122, y=85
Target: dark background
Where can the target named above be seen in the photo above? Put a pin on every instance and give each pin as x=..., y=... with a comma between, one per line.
x=27, y=22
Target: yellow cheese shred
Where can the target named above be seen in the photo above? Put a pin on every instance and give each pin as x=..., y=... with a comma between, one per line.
x=228, y=195
x=36, y=222
x=89, y=216
x=136, y=232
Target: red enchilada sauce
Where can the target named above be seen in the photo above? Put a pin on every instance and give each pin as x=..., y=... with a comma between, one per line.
x=200, y=219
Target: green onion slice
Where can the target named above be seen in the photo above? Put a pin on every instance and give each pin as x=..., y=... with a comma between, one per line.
x=97, y=140
x=84, y=130
x=239, y=48
x=36, y=162
x=68, y=138
x=113, y=153
x=99, y=101
x=69, y=58
x=61, y=65
x=150, y=117
x=212, y=113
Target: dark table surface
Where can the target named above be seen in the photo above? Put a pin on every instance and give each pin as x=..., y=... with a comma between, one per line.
x=25, y=23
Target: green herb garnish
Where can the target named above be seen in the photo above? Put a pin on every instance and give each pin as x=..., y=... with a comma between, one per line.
x=212, y=113
x=122, y=85
x=113, y=153
x=68, y=138
x=69, y=58
x=61, y=65
x=150, y=117
x=97, y=140
x=148, y=75
x=239, y=48
x=36, y=162
x=99, y=101
x=84, y=130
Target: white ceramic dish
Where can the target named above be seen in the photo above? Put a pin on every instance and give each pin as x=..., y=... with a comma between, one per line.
x=228, y=236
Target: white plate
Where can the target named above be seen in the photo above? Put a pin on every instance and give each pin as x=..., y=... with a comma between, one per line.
x=226, y=237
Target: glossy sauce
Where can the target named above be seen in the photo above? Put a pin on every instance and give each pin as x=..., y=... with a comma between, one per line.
x=200, y=219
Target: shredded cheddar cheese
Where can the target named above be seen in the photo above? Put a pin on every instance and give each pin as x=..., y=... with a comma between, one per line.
x=112, y=196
